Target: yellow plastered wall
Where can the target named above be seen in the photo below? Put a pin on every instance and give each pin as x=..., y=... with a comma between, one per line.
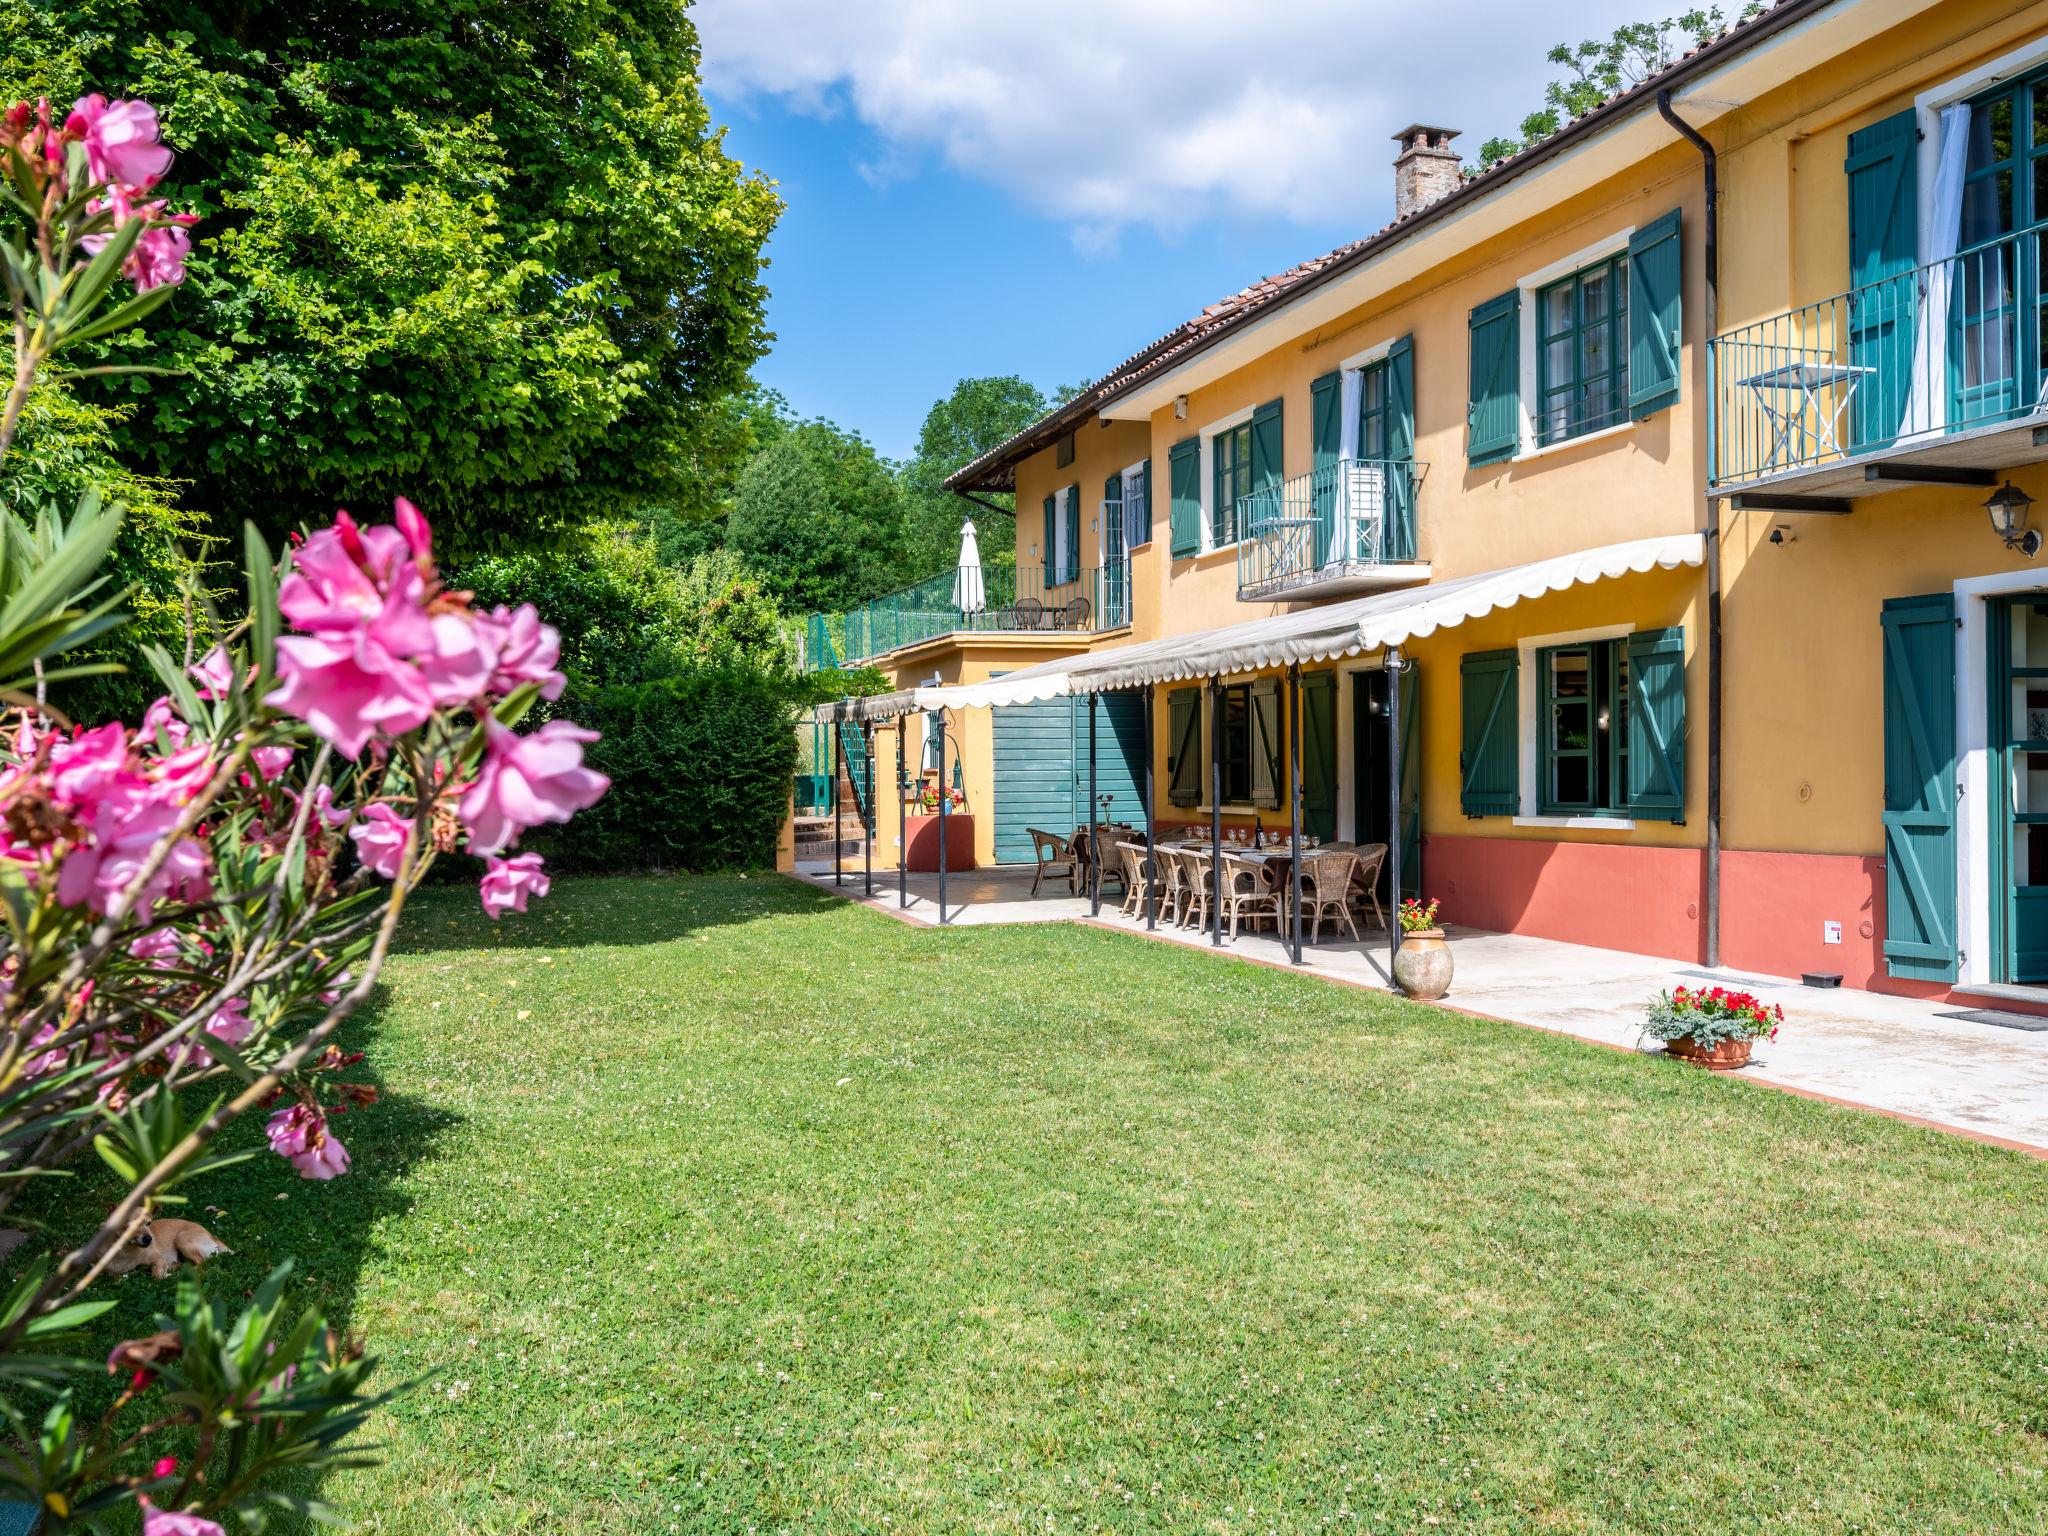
x=1099, y=451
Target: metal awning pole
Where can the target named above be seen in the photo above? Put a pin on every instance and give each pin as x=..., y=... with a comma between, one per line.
x=1294, y=796
x=902, y=828
x=1216, y=811
x=940, y=716
x=1393, y=671
x=1094, y=824
x=838, y=842
x=867, y=808
x=1151, y=839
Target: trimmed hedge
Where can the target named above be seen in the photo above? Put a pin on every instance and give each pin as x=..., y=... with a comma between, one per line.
x=701, y=767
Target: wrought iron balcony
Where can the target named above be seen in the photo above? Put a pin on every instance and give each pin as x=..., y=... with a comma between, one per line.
x=1347, y=527
x=1942, y=366
x=1026, y=600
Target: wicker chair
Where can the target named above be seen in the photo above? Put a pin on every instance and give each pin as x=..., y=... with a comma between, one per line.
x=1365, y=880
x=1091, y=846
x=1248, y=891
x=1073, y=616
x=1195, y=864
x=1331, y=895
x=1055, y=856
x=1136, y=886
x=1030, y=613
x=1173, y=882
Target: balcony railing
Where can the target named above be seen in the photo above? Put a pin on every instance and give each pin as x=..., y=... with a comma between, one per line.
x=1015, y=601
x=1330, y=527
x=1949, y=347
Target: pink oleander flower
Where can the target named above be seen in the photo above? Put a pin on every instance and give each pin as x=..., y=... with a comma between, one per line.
x=123, y=142
x=124, y=828
x=164, y=1522
x=157, y=259
x=47, y=1061
x=160, y=947
x=349, y=690
x=345, y=577
x=339, y=985
x=528, y=780
x=166, y=1466
x=326, y=810
x=298, y=1133
x=230, y=1022
x=381, y=838
x=507, y=883
x=271, y=761
x=527, y=650
x=216, y=674
x=185, y=772
x=162, y=724
x=91, y=766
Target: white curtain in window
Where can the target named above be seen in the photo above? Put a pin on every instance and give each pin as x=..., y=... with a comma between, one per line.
x=1062, y=537
x=1345, y=535
x=1927, y=393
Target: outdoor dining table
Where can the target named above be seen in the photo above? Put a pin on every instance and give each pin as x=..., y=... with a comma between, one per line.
x=1274, y=856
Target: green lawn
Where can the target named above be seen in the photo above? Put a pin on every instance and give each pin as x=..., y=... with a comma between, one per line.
x=720, y=1206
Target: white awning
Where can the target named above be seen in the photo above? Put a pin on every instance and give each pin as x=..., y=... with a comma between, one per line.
x=1309, y=635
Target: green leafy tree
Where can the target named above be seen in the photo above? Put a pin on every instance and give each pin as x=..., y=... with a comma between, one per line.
x=1601, y=67
x=741, y=426
x=493, y=257
x=818, y=516
x=975, y=417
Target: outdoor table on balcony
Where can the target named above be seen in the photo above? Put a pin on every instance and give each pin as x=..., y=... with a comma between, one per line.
x=1804, y=384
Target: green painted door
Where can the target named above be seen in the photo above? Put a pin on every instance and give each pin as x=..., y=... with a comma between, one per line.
x=1034, y=775
x=1041, y=767
x=2019, y=734
x=1920, y=787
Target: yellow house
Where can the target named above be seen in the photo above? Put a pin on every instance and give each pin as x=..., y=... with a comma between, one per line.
x=1642, y=479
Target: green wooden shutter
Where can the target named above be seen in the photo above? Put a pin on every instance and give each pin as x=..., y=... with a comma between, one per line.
x=1493, y=414
x=1397, y=537
x=1184, y=473
x=1920, y=787
x=1326, y=438
x=1489, y=761
x=1184, y=746
x=1267, y=447
x=1071, y=556
x=1656, y=724
x=1319, y=754
x=1411, y=779
x=1656, y=310
x=1151, y=503
x=1884, y=236
x=1265, y=743
x=1051, y=547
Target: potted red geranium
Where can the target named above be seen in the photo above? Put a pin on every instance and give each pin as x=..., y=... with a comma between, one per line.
x=1712, y=1027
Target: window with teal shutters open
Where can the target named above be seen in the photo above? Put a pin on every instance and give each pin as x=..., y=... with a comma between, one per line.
x=1184, y=490
x=1050, y=549
x=1610, y=727
x=1655, y=759
x=1493, y=411
x=1184, y=746
x=1582, y=351
x=1488, y=757
x=1656, y=314
x=1325, y=443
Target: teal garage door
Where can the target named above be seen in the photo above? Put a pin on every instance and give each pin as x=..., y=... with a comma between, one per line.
x=1041, y=767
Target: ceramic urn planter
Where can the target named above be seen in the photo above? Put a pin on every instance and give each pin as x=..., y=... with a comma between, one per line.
x=1422, y=965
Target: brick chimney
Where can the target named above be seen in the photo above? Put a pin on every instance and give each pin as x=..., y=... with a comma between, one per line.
x=1426, y=169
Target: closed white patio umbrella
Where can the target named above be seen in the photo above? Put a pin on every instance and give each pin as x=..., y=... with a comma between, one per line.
x=970, y=593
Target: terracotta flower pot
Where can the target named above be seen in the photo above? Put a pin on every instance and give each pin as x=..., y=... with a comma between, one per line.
x=1725, y=1057
x=1422, y=965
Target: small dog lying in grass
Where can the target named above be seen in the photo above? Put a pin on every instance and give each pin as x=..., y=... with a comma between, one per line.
x=160, y=1244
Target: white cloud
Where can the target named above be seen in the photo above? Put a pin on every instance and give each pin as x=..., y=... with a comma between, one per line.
x=1107, y=113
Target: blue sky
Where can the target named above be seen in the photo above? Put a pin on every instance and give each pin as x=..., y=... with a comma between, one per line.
x=973, y=191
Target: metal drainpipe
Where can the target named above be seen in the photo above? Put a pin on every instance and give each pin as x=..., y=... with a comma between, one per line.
x=1711, y=171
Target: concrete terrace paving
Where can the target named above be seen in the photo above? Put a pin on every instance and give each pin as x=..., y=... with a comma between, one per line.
x=1887, y=1053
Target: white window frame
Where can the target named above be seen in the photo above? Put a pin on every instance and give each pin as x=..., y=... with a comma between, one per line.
x=1529, y=735
x=1927, y=118
x=1208, y=436
x=1063, y=514
x=1526, y=289
x=1124, y=491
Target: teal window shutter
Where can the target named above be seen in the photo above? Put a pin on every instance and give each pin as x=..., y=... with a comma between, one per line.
x=1319, y=754
x=1266, y=446
x=1656, y=310
x=1184, y=746
x=1884, y=236
x=1325, y=438
x=1149, y=501
x=1184, y=471
x=1493, y=413
x=1071, y=556
x=1656, y=724
x=1397, y=536
x=1920, y=787
x=1265, y=743
x=1050, y=564
x=1489, y=763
